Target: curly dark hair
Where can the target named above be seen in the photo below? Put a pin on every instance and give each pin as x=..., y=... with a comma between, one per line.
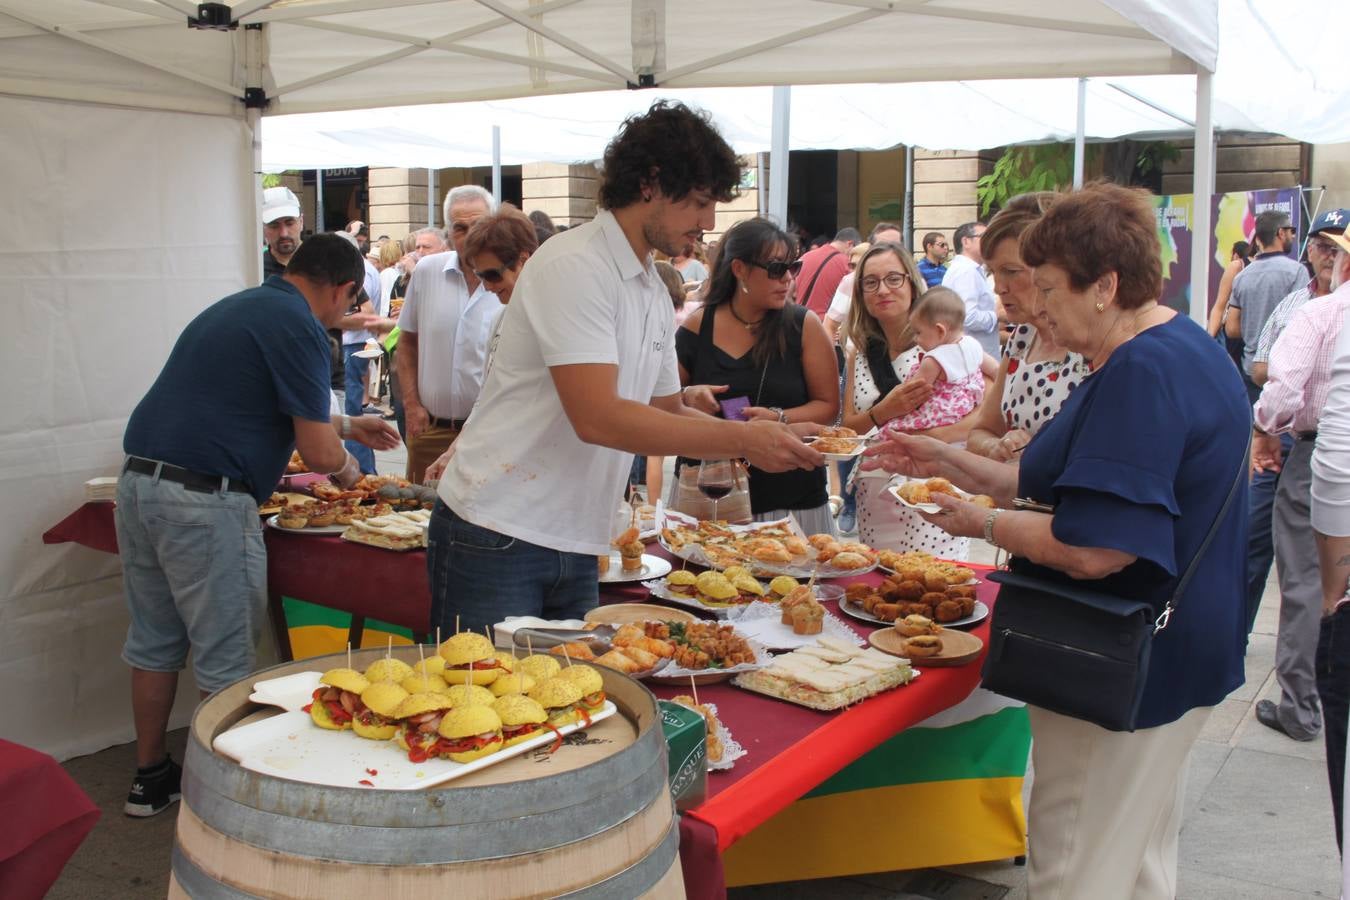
x=672, y=147
x=1099, y=229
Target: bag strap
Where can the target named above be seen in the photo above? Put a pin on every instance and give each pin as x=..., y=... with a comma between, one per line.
x=802, y=298
x=1172, y=602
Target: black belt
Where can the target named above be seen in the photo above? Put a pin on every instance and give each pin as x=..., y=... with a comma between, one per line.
x=452, y=424
x=1305, y=435
x=192, y=481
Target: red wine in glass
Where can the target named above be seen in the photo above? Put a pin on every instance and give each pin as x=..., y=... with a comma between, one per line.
x=715, y=480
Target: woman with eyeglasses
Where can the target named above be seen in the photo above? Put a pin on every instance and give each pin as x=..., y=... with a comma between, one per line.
x=495, y=248
x=879, y=389
x=751, y=352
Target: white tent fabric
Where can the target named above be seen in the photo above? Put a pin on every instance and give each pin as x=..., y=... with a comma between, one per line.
x=120, y=234
x=132, y=200
x=346, y=54
x=966, y=115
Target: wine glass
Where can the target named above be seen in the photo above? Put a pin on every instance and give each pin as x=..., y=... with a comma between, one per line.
x=716, y=477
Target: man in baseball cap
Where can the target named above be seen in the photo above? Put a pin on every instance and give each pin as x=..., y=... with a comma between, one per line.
x=282, y=223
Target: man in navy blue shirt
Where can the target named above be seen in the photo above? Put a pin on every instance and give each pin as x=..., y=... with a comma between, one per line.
x=246, y=383
x=933, y=263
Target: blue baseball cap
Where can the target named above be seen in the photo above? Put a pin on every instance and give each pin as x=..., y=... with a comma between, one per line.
x=1331, y=220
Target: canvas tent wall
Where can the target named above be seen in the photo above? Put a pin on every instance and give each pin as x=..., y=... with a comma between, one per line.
x=131, y=160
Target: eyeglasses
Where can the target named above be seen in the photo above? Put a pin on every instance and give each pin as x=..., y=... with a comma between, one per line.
x=777, y=268
x=491, y=275
x=1321, y=246
x=894, y=280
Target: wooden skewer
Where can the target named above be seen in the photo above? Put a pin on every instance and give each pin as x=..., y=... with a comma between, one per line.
x=567, y=656
x=456, y=623
x=438, y=637
x=693, y=686
x=389, y=648
x=349, y=654
x=528, y=646
x=487, y=632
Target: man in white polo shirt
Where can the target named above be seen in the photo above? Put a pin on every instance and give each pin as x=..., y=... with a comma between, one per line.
x=584, y=377
x=444, y=327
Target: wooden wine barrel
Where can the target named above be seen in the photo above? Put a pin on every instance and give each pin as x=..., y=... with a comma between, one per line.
x=598, y=824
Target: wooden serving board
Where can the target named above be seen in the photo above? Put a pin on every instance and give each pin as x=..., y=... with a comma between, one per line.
x=958, y=647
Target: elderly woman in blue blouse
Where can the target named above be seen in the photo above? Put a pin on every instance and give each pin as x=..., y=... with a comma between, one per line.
x=1136, y=466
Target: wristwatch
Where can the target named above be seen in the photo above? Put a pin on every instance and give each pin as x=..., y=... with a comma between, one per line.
x=346, y=430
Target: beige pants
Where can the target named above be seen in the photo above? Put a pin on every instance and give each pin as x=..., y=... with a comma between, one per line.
x=425, y=449
x=1106, y=807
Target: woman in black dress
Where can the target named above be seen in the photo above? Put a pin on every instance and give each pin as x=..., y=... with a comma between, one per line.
x=752, y=343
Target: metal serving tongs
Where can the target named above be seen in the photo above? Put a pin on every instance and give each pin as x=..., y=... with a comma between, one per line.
x=599, y=636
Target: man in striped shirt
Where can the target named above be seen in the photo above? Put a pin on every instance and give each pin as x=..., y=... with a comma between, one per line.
x=1291, y=401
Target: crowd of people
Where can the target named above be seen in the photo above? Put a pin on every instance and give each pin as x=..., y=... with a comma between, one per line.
x=537, y=372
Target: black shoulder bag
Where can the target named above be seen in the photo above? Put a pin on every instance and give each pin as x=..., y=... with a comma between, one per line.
x=1076, y=651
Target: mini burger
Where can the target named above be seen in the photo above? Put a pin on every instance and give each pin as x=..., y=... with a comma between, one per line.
x=682, y=582
x=522, y=718
x=379, y=719
x=419, y=683
x=781, y=586
x=716, y=589
x=388, y=669
x=591, y=685
x=469, y=733
x=540, y=666
x=513, y=683
x=559, y=698
x=923, y=645
x=421, y=715
x=471, y=653
x=431, y=665
x=337, y=699
x=469, y=695
x=505, y=660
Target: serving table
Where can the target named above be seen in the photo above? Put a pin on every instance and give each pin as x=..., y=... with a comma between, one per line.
x=47, y=816
x=818, y=794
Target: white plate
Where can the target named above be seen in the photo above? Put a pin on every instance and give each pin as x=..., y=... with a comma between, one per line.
x=849, y=608
x=321, y=530
x=290, y=692
x=894, y=491
x=652, y=567
x=842, y=457
x=368, y=354
x=763, y=622
x=291, y=746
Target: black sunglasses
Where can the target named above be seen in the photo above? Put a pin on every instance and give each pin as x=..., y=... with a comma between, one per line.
x=777, y=268
x=492, y=275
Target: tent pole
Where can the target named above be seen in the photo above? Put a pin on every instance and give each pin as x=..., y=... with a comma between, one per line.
x=431, y=198
x=778, y=155
x=497, y=162
x=253, y=120
x=907, y=212
x=760, y=186
x=1201, y=194
x=1080, y=135
x=318, y=200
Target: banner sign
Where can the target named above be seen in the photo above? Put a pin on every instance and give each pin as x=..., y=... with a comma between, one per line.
x=1233, y=217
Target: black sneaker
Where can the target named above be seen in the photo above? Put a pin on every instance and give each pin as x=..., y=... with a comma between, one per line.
x=154, y=790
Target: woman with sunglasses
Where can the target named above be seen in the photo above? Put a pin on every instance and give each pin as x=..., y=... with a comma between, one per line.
x=882, y=355
x=495, y=248
x=750, y=344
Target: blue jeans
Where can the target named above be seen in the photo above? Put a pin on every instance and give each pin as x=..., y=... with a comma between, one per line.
x=356, y=369
x=482, y=576
x=194, y=571
x=1333, y=689
x=1260, y=546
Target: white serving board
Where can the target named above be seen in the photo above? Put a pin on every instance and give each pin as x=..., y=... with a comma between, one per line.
x=763, y=622
x=290, y=692
x=291, y=746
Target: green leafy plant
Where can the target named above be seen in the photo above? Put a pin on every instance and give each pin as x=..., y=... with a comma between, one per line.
x=1049, y=167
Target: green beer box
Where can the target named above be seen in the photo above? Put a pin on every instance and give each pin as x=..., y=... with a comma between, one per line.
x=686, y=754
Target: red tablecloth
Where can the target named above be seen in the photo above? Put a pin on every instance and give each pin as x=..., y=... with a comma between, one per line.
x=793, y=749
x=46, y=818
x=364, y=581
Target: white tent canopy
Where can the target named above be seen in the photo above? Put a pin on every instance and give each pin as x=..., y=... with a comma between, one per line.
x=132, y=164
x=316, y=55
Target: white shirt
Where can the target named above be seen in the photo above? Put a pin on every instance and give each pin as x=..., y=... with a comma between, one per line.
x=959, y=360
x=966, y=277
x=381, y=307
x=519, y=467
x=388, y=278
x=452, y=328
x=843, y=299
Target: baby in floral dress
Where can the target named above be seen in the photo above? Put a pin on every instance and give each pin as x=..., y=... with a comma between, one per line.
x=952, y=362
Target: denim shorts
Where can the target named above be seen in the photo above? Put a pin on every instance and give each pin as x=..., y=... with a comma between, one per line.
x=480, y=576
x=194, y=570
